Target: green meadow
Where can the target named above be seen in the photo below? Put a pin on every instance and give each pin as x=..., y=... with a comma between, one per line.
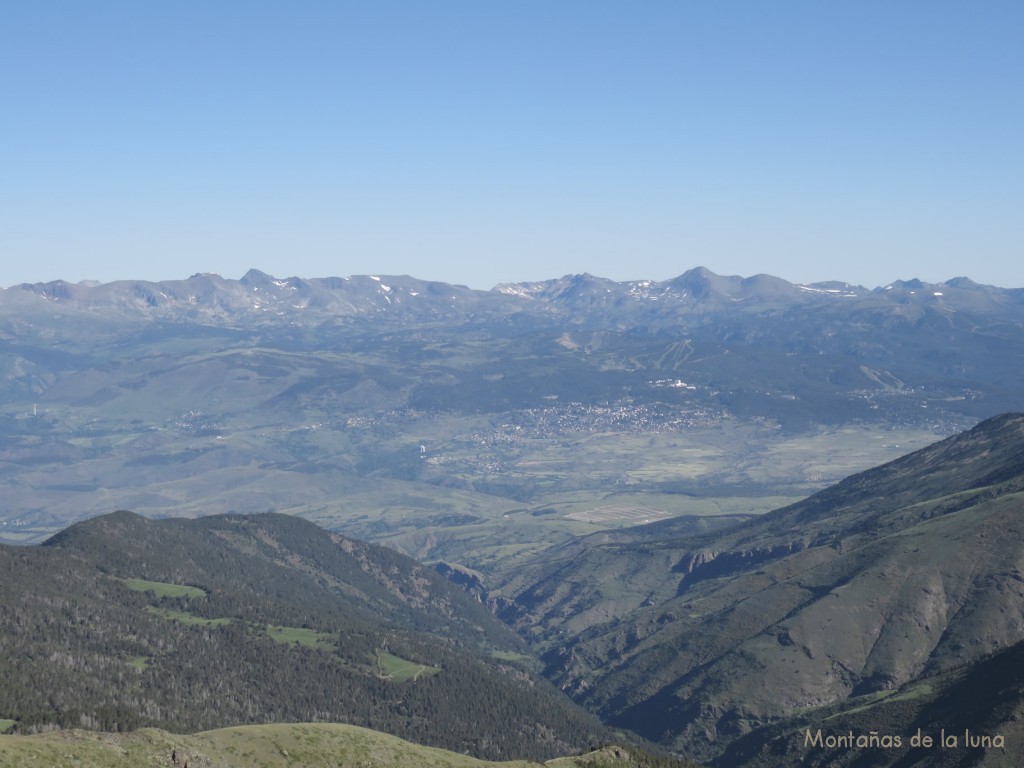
x=163, y=589
x=319, y=745
x=309, y=638
x=399, y=670
x=309, y=745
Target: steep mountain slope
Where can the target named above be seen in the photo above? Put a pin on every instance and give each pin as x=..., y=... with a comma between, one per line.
x=971, y=716
x=119, y=622
x=904, y=571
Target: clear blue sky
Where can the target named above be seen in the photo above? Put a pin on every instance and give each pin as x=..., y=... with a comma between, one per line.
x=502, y=140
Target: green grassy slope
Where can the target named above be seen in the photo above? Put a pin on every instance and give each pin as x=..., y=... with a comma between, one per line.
x=274, y=746
x=311, y=746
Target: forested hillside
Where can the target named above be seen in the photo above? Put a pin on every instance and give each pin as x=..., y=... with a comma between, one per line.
x=120, y=622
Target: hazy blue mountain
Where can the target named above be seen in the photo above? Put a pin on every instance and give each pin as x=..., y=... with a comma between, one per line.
x=696, y=294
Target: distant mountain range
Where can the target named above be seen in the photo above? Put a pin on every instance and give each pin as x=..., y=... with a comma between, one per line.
x=694, y=296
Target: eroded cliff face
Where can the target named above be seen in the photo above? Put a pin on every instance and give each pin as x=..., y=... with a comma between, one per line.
x=472, y=582
x=711, y=564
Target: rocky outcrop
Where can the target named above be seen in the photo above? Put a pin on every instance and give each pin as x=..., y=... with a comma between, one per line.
x=711, y=564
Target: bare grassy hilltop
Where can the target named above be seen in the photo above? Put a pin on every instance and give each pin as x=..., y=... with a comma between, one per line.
x=276, y=746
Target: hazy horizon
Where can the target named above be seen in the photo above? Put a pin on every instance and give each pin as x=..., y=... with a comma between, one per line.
x=428, y=278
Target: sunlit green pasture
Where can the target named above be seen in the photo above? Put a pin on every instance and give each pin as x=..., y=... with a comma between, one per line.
x=163, y=588
x=309, y=638
x=398, y=670
x=311, y=745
